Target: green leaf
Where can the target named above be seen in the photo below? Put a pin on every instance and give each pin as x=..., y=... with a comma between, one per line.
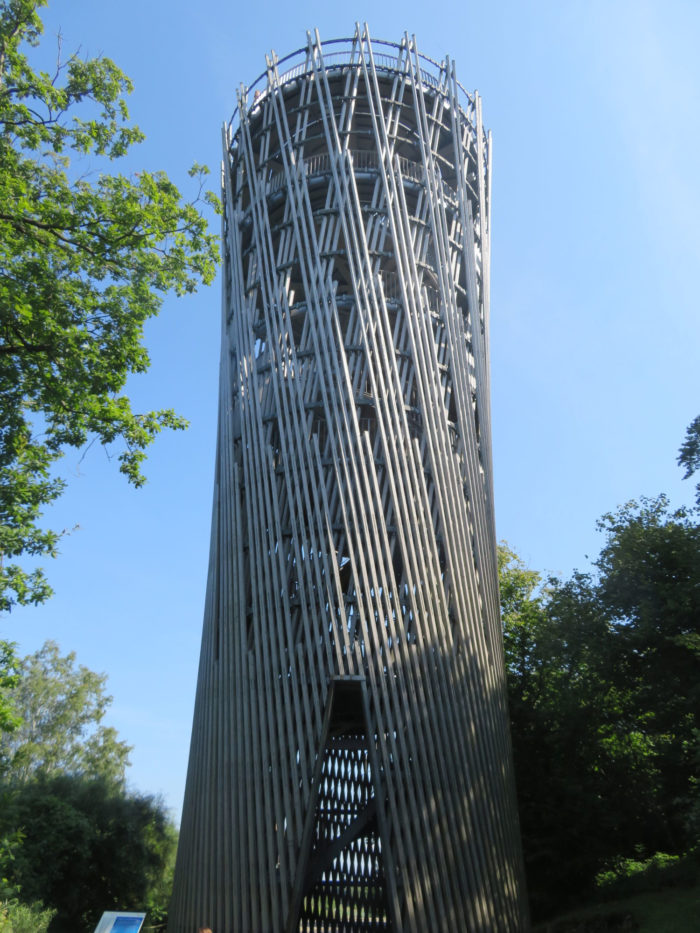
x=83, y=265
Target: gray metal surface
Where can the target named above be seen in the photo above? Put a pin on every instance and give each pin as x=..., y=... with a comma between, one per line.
x=350, y=764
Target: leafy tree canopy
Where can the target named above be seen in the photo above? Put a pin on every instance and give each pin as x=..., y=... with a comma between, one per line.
x=603, y=677
x=85, y=260
x=689, y=454
x=8, y=679
x=72, y=837
x=88, y=846
x=60, y=709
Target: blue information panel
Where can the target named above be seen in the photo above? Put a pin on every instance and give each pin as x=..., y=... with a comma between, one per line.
x=127, y=925
x=120, y=921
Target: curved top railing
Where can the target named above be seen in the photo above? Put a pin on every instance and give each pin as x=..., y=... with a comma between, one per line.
x=385, y=61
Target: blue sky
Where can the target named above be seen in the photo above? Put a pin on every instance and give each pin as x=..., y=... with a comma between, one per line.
x=595, y=112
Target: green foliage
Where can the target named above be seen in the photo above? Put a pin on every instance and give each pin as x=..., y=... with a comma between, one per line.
x=650, y=586
x=10, y=844
x=632, y=875
x=693, y=799
x=16, y=917
x=61, y=707
x=88, y=846
x=9, y=677
x=71, y=836
x=522, y=616
x=689, y=453
x=566, y=760
x=84, y=263
x=670, y=910
x=660, y=894
x=604, y=691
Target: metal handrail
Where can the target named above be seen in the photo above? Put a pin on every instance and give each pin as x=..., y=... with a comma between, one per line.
x=362, y=159
x=384, y=60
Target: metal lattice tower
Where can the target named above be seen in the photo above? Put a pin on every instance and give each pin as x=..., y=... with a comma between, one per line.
x=350, y=766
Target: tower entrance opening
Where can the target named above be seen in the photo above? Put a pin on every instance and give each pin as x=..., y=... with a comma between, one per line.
x=342, y=886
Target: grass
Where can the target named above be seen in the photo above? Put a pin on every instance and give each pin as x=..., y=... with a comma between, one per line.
x=670, y=905
x=671, y=911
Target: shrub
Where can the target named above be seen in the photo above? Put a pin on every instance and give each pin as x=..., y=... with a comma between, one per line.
x=16, y=917
x=632, y=876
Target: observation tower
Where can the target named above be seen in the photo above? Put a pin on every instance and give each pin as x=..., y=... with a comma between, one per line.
x=350, y=766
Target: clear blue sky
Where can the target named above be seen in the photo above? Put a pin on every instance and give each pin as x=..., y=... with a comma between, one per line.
x=595, y=111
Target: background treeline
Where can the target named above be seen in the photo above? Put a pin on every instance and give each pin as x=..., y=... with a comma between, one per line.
x=604, y=688
x=74, y=840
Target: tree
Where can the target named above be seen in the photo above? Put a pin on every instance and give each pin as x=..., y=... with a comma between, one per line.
x=72, y=837
x=604, y=691
x=88, y=846
x=555, y=640
x=689, y=453
x=60, y=707
x=83, y=264
x=9, y=678
x=650, y=588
